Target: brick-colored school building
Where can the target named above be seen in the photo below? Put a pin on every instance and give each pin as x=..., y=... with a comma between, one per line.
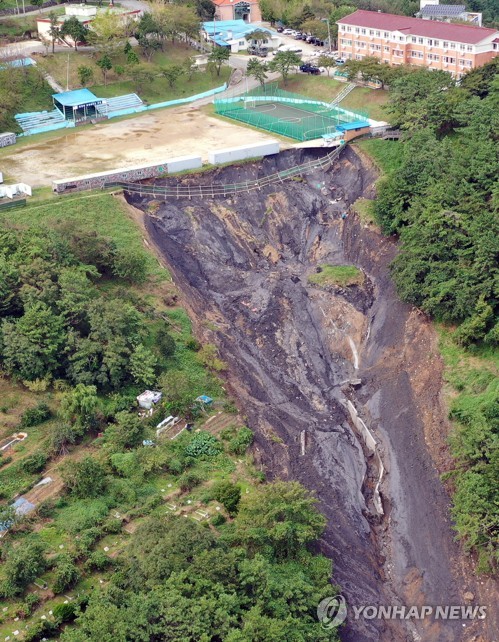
x=399, y=40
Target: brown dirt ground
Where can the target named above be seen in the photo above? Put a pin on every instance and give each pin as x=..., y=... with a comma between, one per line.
x=151, y=138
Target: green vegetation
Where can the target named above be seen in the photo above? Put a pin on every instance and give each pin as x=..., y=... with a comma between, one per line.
x=388, y=154
x=440, y=196
x=364, y=99
x=148, y=78
x=22, y=89
x=337, y=275
x=172, y=537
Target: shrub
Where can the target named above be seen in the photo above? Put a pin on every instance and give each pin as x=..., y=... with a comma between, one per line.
x=84, y=478
x=64, y=612
x=35, y=416
x=189, y=480
x=241, y=442
x=219, y=519
x=40, y=631
x=98, y=561
x=229, y=495
x=130, y=264
x=193, y=344
x=165, y=342
x=203, y=444
x=66, y=574
x=35, y=463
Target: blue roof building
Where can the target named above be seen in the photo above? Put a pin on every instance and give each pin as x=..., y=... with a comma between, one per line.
x=80, y=102
x=233, y=34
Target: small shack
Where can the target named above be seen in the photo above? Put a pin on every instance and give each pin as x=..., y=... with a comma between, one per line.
x=148, y=398
x=77, y=105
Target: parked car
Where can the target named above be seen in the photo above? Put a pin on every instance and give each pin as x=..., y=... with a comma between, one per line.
x=339, y=61
x=288, y=32
x=298, y=36
x=280, y=29
x=308, y=68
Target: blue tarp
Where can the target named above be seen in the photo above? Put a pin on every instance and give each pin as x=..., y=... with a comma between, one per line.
x=77, y=98
x=204, y=399
x=23, y=507
x=20, y=62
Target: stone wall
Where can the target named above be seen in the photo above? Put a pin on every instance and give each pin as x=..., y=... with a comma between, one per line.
x=125, y=175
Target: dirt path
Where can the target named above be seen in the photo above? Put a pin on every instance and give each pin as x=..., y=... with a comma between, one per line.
x=168, y=133
x=243, y=264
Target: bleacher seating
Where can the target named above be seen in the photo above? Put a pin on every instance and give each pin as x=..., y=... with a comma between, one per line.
x=128, y=101
x=35, y=119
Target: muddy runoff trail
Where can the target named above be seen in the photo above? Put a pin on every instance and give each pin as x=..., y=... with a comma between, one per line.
x=295, y=355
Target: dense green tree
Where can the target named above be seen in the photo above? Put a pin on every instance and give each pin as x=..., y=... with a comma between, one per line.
x=229, y=495
x=218, y=57
x=24, y=564
x=66, y=574
x=85, y=75
x=54, y=29
x=127, y=432
x=105, y=64
x=278, y=519
x=143, y=366
x=84, y=478
x=257, y=70
x=76, y=30
x=32, y=344
x=283, y=62
x=172, y=73
x=79, y=406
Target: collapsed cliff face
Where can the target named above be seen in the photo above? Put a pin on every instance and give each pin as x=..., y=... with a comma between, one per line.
x=295, y=352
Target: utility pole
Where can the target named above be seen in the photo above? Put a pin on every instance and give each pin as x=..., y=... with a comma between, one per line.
x=326, y=20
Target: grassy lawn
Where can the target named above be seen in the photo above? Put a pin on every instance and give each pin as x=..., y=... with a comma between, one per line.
x=10, y=26
x=22, y=89
x=342, y=275
x=387, y=154
x=322, y=87
x=367, y=100
x=364, y=208
x=157, y=91
x=318, y=87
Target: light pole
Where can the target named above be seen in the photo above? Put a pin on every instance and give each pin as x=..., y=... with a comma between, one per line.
x=326, y=20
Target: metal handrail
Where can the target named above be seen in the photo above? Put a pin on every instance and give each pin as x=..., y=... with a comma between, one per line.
x=213, y=189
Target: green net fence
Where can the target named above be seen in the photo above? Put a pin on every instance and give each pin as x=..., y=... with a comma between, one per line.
x=286, y=113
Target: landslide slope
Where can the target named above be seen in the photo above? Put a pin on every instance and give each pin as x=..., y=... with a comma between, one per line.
x=291, y=347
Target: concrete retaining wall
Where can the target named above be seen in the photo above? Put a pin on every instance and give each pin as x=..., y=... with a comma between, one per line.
x=125, y=175
x=6, y=139
x=232, y=154
x=183, y=163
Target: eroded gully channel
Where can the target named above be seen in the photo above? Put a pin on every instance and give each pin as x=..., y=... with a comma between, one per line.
x=242, y=265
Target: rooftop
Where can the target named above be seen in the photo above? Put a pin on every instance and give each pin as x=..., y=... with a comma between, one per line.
x=222, y=30
x=76, y=98
x=443, y=10
x=220, y=3
x=415, y=26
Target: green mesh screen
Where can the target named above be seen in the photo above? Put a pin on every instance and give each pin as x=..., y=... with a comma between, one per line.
x=285, y=113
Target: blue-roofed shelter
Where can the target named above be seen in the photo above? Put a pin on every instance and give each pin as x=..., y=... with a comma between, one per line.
x=78, y=104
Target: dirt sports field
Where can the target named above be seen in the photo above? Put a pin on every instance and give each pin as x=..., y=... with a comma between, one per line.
x=149, y=138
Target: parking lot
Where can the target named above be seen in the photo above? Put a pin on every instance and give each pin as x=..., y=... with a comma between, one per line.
x=309, y=52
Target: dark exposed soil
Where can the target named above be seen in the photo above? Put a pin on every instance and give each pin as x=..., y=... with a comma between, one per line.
x=242, y=265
